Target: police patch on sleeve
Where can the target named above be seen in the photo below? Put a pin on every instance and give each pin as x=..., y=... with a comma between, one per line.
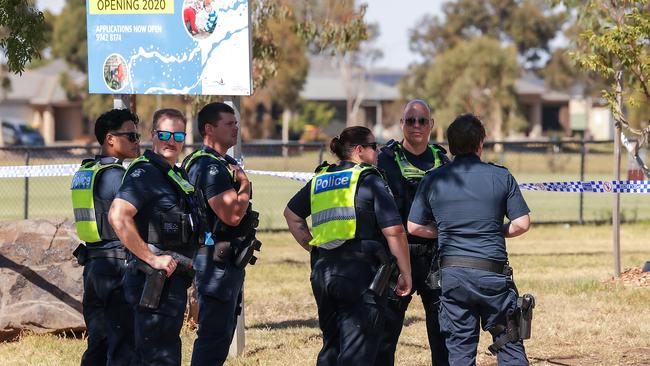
x=214, y=169
x=137, y=172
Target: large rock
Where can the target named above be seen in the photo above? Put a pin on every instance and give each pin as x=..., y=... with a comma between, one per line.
x=40, y=281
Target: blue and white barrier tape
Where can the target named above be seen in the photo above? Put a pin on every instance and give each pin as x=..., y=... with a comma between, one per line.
x=595, y=186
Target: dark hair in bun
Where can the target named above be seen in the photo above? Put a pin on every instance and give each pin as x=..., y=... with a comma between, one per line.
x=342, y=145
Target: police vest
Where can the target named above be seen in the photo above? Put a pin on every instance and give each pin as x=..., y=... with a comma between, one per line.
x=193, y=157
x=177, y=227
x=90, y=214
x=410, y=171
x=332, y=194
x=215, y=226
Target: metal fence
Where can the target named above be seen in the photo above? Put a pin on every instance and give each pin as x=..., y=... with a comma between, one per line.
x=530, y=162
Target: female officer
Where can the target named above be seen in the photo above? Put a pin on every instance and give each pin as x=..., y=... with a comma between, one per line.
x=353, y=217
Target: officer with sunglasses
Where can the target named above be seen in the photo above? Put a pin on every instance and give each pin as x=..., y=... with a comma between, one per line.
x=227, y=190
x=108, y=317
x=155, y=214
x=405, y=163
x=356, y=231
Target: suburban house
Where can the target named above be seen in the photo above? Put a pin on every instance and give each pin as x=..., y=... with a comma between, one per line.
x=549, y=112
x=37, y=99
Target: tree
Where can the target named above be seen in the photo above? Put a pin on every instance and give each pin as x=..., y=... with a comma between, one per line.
x=616, y=45
x=473, y=57
x=21, y=33
x=529, y=25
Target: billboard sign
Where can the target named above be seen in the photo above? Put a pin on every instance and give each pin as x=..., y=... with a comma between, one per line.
x=169, y=47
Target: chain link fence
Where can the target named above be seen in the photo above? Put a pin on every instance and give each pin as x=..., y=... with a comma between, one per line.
x=529, y=162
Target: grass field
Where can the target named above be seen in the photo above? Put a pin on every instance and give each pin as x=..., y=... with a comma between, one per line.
x=580, y=319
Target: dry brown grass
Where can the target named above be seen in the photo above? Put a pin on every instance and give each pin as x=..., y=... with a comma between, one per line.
x=581, y=319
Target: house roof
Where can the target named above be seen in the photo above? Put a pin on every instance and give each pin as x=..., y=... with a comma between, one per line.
x=531, y=84
x=324, y=83
x=42, y=85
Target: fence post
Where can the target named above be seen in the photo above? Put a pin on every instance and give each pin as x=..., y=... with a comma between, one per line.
x=320, y=154
x=26, y=200
x=583, y=152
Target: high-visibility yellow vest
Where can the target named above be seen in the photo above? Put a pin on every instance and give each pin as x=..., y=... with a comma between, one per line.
x=333, y=213
x=410, y=171
x=190, y=159
x=181, y=182
x=86, y=213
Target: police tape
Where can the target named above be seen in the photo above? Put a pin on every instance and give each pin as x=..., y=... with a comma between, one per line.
x=593, y=186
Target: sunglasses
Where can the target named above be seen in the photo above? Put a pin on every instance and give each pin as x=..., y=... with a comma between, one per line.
x=132, y=136
x=410, y=121
x=372, y=145
x=166, y=135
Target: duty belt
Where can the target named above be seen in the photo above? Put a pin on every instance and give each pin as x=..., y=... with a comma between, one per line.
x=118, y=253
x=341, y=253
x=476, y=263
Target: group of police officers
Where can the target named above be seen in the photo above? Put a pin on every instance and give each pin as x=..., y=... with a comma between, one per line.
x=153, y=228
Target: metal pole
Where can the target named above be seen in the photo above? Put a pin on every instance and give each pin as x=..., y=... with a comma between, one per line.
x=121, y=101
x=583, y=152
x=616, y=204
x=239, y=340
x=320, y=153
x=26, y=201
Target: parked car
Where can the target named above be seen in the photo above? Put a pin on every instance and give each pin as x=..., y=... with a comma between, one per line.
x=16, y=133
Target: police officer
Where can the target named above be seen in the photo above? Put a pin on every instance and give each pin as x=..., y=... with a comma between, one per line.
x=226, y=188
x=155, y=211
x=405, y=164
x=353, y=217
x=108, y=317
x=464, y=204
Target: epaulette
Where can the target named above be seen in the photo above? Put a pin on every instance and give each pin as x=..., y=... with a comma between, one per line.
x=321, y=166
x=230, y=159
x=498, y=166
x=110, y=160
x=442, y=149
x=390, y=148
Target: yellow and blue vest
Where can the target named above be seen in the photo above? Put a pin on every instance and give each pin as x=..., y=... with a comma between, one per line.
x=333, y=212
x=87, y=212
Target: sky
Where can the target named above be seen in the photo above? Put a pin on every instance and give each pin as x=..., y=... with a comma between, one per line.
x=395, y=19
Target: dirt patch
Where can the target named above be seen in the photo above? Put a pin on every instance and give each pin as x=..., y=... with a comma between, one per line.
x=632, y=277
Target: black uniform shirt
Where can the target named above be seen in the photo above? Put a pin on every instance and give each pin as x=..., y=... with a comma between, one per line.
x=107, y=183
x=468, y=200
x=210, y=176
x=149, y=189
x=373, y=203
x=397, y=183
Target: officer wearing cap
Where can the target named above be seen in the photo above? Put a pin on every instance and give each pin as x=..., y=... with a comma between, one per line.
x=354, y=217
x=405, y=164
x=464, y=204
x=219, y=278
x=107, y=315
x=155, y=215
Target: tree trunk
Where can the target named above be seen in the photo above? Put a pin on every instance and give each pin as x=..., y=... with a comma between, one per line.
x=497, y=124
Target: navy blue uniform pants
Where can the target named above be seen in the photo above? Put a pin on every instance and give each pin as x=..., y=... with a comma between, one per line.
x=108, y=317
x=350, y=316
x=219, y=288
x=470, y=299
x=157, y=332
x=396, y=310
